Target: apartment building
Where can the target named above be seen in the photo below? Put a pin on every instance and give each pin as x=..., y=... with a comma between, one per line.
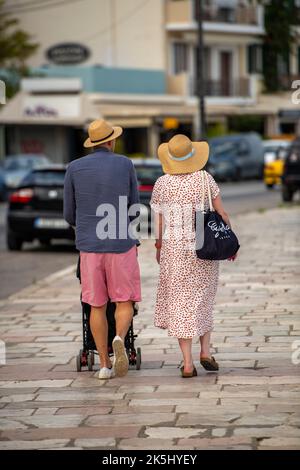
x=134, y=62
x=233, y=62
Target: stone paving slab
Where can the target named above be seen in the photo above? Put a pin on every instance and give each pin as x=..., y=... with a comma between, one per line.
x=252, y=403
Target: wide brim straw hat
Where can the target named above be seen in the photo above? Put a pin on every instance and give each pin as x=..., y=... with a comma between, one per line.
x=180, y=155
x=101, y=132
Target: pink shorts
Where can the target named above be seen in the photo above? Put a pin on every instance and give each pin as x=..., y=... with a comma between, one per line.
x=110, y=276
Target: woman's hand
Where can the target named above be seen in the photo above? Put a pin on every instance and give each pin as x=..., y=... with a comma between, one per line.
x=158, y=255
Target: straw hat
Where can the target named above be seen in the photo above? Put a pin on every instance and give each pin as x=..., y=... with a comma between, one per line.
x=101, y=132
x=180, y=155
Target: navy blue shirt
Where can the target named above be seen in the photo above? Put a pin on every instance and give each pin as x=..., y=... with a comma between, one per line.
x=93, y=186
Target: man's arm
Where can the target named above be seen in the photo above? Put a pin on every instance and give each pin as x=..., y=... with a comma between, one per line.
x=134, y=197
x=69, y=199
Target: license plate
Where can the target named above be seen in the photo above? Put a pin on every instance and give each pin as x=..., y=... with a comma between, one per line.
x=51, y=223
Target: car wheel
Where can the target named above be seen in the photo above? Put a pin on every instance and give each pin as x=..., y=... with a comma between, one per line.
x=287, y=194
x=14, y=243
x=237, y=175
x=270, y=186
x=45, y=242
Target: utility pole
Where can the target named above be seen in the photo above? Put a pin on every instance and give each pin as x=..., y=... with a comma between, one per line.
x=200, y=70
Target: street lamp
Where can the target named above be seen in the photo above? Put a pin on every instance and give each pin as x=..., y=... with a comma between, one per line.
x=200, y=70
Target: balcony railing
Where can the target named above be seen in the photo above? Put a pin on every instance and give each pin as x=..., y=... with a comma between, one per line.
x=183, y=11
x=286, y=81
x=241, y=15
x=224, y=88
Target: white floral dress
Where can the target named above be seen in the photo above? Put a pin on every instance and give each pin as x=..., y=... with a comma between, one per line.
x=187, y=285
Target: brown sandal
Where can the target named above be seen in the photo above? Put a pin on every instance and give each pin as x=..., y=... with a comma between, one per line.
x=188, y=375
x=209, y=363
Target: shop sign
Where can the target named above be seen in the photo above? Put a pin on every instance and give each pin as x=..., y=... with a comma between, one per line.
x=51, y=107
x=293, y=114
x=68, y=54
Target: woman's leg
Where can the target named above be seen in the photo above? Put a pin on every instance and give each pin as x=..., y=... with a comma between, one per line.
x=186, y=349
x=205, y=345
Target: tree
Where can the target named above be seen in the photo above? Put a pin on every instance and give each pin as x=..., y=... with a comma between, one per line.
x=281, y=17
x=15, y=48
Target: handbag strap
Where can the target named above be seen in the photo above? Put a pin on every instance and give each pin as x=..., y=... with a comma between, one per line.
x=211, y=207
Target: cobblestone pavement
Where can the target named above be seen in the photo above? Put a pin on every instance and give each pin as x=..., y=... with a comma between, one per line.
x=253, y=403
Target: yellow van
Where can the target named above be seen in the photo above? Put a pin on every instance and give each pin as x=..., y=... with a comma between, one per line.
x=274, y=156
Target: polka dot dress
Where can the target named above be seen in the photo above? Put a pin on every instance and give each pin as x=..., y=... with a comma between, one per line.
x=187, y=285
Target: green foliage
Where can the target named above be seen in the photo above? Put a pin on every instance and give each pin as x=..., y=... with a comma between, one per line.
x=216, y=130
x=15, y=48
x=246, y=124
x=280, y=18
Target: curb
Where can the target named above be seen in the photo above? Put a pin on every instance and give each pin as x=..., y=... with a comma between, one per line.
x=47, y=280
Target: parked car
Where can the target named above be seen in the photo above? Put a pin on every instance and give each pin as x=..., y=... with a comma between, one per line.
x=148, y=170
x=2, y=185
x=291, y=172
x=274, y=156
x=236, y=157
x=36, y=209
x=17, y=166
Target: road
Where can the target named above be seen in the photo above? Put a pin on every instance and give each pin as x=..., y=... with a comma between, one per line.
x=20, y=269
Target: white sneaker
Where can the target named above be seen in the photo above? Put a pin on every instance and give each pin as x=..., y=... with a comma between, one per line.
x=105, y=373
x=121, y=363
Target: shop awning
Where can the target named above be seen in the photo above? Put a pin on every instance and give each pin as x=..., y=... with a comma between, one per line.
x=82, y=108
x=267, y=105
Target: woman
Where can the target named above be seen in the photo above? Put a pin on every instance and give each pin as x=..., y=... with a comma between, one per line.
x=187, y=285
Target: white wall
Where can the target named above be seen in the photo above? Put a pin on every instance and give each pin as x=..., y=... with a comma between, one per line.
x=140, y=34
x=123, y=33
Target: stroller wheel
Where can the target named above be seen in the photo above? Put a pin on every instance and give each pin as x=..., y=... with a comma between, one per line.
x=138, y=358
x=90, y=361
x=78, y=363
x=92, y=354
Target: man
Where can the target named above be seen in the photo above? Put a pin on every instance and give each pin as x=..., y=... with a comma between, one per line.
x=108, y=258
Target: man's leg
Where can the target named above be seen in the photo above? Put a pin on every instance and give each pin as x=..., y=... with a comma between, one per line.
x=123, y=278
x=123, y=316
x=99, y=328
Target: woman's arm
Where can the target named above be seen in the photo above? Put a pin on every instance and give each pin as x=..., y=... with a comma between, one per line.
x=218, y=206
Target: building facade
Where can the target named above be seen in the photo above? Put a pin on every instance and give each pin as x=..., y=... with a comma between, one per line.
x=233, y=62
x=134, y=62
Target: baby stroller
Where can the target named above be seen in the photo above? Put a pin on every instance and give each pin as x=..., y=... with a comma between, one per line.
x=86, y=356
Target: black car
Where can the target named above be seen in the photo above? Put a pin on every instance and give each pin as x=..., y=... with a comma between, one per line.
x=291, y=172
x=35, y=209
x=148, y=170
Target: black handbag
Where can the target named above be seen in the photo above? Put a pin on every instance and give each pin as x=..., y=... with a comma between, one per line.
x=219, y=241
